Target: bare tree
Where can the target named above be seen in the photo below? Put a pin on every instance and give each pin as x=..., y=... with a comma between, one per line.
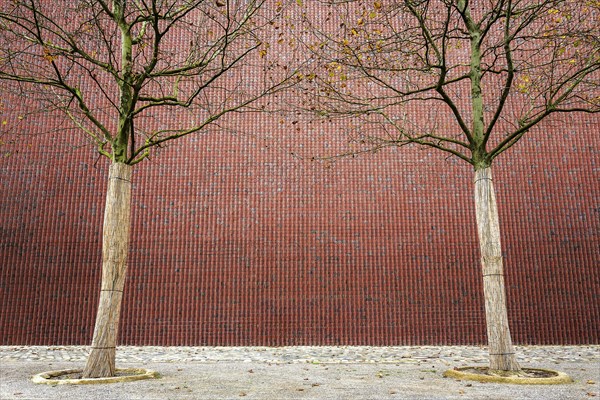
x=468, y=78
x=132, y=76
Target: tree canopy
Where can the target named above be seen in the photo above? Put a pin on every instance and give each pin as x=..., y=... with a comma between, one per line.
x=466, y=77
x=133, y=75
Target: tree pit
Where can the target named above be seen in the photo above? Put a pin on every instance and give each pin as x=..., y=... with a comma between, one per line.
x=74, y=377
x=527, y=376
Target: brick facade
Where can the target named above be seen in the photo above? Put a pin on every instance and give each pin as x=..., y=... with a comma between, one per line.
x=238, y=242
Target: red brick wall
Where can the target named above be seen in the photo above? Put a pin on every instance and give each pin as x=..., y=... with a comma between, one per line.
x=237, y=242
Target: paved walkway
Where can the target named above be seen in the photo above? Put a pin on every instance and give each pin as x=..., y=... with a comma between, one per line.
x=305, y=354
x=354, y=372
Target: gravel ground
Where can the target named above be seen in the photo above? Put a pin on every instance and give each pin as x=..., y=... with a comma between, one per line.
x=298, y=373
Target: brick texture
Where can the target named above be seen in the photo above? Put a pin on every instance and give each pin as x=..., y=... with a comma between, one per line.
x=235, y=241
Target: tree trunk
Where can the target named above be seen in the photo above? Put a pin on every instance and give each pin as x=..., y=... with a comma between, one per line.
x=502, y=355
x=115, y=243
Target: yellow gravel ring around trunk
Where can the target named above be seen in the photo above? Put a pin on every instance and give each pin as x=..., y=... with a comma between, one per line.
x=557, y=377
x=126, y=375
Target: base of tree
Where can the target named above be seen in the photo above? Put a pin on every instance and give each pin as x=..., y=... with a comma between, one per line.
x=74, y=376
x=527, y=376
